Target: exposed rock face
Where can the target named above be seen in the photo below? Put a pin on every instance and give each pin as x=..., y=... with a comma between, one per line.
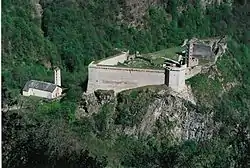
x=133, y=11
x=174, y=117
x=167, y=115
x=188, y=122
x=217, y=2
x=38, y=10
x=92, y=103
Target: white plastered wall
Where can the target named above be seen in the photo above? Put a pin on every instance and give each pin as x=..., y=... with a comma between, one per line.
x=57, y=92
x=57, y=77
x=176, y=78
x=26, y=93
x=40, y=93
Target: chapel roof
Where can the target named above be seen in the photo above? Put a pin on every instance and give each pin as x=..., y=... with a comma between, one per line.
x=39, y=85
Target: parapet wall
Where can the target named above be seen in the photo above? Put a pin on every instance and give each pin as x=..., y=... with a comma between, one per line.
x=190, y=72
x=114, y=59
x=106, y=75
x=118, y=78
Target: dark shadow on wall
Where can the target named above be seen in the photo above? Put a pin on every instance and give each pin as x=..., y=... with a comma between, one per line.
x=84, y=84
x=166, y=77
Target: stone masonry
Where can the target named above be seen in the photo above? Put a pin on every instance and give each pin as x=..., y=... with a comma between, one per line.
x=106, y=75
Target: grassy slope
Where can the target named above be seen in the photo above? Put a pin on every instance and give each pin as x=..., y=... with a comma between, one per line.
x=154, y=60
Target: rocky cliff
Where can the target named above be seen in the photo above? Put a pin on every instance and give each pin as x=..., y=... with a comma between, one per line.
x=135, y=12
x=152, y=111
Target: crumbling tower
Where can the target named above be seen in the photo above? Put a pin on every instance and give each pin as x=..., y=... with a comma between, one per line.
x=191, y=61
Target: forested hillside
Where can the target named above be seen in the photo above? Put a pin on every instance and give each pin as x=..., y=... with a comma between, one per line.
x=70, y=34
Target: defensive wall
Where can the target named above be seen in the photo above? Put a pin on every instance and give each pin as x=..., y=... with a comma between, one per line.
x=119, y=78
x=106, y=75
x=192, y=71
x=113, y=60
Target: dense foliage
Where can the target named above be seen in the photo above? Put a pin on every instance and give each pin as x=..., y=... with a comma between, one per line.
x=70, y=34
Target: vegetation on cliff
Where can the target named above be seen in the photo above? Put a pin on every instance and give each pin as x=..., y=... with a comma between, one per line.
x=70, y=34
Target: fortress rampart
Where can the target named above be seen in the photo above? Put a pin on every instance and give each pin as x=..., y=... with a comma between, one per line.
x=105, y=74
x=113, y=60
x=118, y=78
x=190, y=72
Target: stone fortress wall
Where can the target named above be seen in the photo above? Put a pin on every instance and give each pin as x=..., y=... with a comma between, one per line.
x=192, y=71
x=113, y=60
x=105, y=75
x=119, y=79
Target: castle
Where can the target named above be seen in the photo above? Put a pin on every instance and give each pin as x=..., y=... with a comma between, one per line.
x=107, y=74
